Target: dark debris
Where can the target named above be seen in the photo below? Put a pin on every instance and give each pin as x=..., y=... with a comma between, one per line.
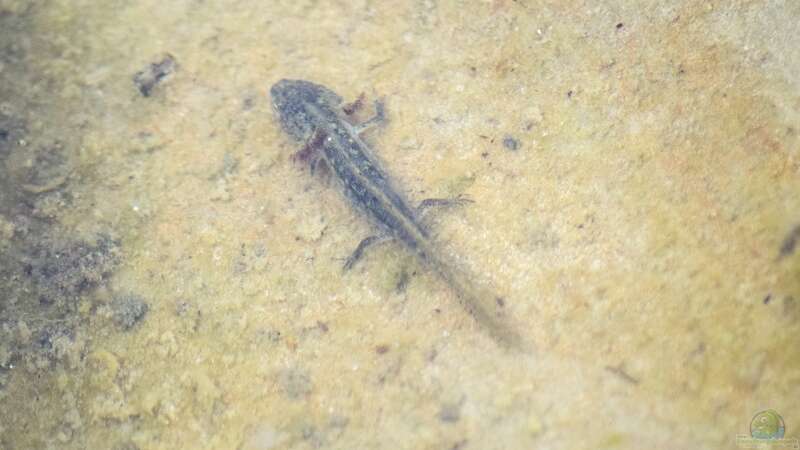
x=382, y=349
x=790, y=242
x=622, y=374
x=511, y=143
x=11, y=130
x=451, y=412
x=402, y=282
x=148, y=78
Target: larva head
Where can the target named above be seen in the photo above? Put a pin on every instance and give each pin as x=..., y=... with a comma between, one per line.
x=295, y=101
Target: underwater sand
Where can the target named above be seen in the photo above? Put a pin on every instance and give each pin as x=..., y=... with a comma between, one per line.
x=172, y=278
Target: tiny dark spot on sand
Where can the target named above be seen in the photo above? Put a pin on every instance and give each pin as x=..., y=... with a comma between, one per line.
x=790, y=242
x=149, y=77
x=248, y=103
x=184, y=307
x=432, y=354
x=450, y=412
x=620, y=25
x=570, y=93
x=500, y=302
x=767, y=299
x=511, y=143
x=402, y=282
x=381, y=349
x=273, y=336
x=620, y=372
x=459, y=445
x=701, y=348
x=484, y=154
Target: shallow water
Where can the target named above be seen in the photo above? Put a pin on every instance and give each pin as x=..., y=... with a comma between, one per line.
x=172, y=278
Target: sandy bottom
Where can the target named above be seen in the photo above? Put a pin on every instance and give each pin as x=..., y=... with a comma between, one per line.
x=171, y=278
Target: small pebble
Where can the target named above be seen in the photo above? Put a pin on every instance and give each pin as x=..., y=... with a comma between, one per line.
x=510, y=143
x=149, y=77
